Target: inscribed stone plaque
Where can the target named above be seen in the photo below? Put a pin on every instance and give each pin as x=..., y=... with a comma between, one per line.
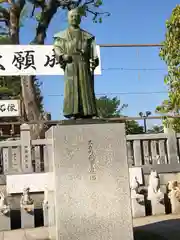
x=16, y=162
x=92, y=194
x=5, y=154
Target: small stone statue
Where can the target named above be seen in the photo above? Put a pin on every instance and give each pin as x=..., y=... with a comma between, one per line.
x=155, y=195
x=134, y=186
x=45, y=201
x=154, y=184
x=45, y=207
x=174, y=195
x=26, y=199
x=75, y=50
x=135, y=190
x=137, y=199
x=4, y=208
x=174, y=188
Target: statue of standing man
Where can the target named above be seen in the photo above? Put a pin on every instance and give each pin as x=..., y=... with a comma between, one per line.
x=75, y=50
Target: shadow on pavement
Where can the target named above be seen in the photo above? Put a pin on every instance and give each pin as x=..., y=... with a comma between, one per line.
x=164, y=230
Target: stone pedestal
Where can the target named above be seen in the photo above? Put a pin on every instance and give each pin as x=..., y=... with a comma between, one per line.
x=157, y=204
x=175, y=204
x=45, y=214
x=27, y=216
x=138, y=206
x=5, y=221
x=51, y=215
x=92, y=194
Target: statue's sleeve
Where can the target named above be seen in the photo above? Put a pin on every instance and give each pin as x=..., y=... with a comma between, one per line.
x=59, y=50
x=94, y=54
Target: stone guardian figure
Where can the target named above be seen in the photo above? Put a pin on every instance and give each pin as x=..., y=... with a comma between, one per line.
x=4, y=208
x=26, y=202
x=155, y=195
x=75, y=50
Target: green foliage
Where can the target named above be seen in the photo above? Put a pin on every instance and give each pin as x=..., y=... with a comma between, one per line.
x=132, y=127
x=83, y=10
x=108, y=108
x=156, y=129
x=4, y=39
x=98, y=3
x=10, y=85
x=170, y=53
x=38, y=17
x=111, y=107
x=92, y=9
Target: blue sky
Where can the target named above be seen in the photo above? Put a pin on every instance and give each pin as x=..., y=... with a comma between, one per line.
x=130, y=22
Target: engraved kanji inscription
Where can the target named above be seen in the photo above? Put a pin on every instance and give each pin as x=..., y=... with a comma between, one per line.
x=92, y=158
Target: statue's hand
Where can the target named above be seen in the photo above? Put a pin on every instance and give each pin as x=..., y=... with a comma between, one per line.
x=93, y=64
x=67, y=58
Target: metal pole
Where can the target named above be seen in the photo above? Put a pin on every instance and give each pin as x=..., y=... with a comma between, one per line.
x=145, y=125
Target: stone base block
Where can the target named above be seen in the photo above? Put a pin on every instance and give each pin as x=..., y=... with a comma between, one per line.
x=138, y=206
x=27, y=216
x=45, y=215
x=51, y=215
x=92, y=194
x=158, y=207
x=5, y=222
x=175, y=206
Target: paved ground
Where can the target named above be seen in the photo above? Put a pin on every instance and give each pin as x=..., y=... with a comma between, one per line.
x=166, y=227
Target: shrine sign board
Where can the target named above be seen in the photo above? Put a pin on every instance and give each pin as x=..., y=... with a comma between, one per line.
x=10, y=108
x=30, y=60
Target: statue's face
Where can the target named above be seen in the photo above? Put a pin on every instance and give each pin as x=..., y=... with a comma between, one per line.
x=74, y=18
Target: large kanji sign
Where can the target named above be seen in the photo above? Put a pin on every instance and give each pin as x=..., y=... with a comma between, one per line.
x=31, y=60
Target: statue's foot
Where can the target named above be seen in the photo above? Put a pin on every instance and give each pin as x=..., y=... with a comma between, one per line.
x=96, y=117
x=72, y=118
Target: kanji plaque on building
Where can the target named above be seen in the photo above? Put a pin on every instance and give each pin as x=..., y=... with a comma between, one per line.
x=10, y=108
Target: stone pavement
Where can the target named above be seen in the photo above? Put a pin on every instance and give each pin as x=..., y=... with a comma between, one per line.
x=166, y=227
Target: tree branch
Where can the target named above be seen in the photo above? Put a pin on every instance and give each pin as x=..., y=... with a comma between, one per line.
x=15, y=12
x=98, y=13
x=4, y=16
x=45, y=19
x=69, y=4
x=88, y=2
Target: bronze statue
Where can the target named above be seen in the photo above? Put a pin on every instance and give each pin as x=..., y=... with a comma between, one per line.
x=75, y=50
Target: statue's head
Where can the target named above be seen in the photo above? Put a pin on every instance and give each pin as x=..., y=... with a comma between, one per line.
x=26, y=190
x=74, y=17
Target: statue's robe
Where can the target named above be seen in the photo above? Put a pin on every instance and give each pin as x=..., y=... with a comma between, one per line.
x=79, y=96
